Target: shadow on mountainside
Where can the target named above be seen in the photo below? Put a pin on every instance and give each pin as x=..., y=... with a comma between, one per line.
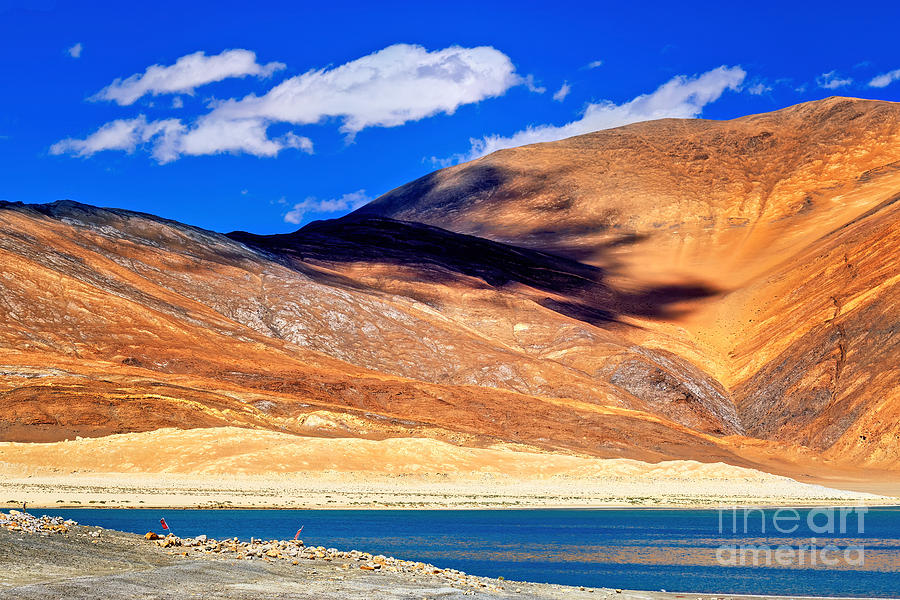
x=425, y=253
x=436, y=197
x=566, y=286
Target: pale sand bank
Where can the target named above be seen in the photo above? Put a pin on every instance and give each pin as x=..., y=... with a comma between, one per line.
x=250, y=468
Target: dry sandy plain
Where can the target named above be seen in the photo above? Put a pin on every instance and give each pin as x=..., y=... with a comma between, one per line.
x=234, y=467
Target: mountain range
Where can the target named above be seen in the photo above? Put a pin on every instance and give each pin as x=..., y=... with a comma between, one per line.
x=722, y=291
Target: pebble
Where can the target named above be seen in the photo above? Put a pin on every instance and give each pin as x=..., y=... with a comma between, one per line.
x=20, y=521
x=294, y=551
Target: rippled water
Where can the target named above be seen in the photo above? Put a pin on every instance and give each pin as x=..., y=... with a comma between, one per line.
x=676, y=550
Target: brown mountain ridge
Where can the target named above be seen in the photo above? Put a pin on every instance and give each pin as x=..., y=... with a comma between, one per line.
x=719, y=291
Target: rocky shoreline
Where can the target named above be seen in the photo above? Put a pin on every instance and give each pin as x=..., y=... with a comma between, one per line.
x=49, y=557
x=295, y=551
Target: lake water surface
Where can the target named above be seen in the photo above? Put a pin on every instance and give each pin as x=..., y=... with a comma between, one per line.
x=649, y=549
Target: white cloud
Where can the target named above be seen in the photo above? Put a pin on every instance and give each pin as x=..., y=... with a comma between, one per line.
x=298, y=142
x=177, y=102
x=393, y=86
x=75, y=51
x=529, y=83
x=681, y=97
x=832, y=81
x=216, y=136
x=122, y=134
x=758, y=89
x=169, y=139
x=594, y=64
x=188, y=72
x=562, y=92
x=350, y=201
x=885, y=79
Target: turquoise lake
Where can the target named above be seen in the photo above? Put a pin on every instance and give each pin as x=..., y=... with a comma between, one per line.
x=645, y=549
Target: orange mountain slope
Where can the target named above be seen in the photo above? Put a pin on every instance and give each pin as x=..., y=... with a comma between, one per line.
x=115, y=321
x=673, y=199
x=719, y=291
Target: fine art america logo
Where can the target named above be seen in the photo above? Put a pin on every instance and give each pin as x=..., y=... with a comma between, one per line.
x=817, y=538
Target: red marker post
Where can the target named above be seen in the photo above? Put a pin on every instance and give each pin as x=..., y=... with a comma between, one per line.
x=165, y=525
x=297, y=535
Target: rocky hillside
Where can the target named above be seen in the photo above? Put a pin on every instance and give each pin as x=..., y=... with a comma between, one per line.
x=719, y=291
x=787, y=222
x=115, y=321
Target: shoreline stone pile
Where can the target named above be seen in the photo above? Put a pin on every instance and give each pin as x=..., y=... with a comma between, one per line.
x=18, y=521
x=296, y=551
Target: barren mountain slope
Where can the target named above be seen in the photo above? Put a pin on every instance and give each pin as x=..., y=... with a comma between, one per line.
x=557, y=312
x=115, y=321
x=790, y=216
x=673, y=200
x=651, y=292
x=818, y=362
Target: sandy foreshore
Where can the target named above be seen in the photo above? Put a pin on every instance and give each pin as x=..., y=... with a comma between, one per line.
x=232, y=467
x=368, y=491
x=91, y=562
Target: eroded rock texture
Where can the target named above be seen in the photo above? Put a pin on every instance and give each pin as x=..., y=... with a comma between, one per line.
x=672, y=289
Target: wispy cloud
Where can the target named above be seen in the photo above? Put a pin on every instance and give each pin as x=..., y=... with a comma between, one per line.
x=388, y=88
x=168, y=139
x=680, y=97
x=832, y=81
x=562, y=92
x=594, y=64
x=529, y=83
x=885, y=79
x=75, y=51
x=758, y=89
x=188, y=73
x=121, y=134
x=350, y=201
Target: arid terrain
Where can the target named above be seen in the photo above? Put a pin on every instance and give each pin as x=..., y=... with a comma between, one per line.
x=675, y=292
x=236, y=467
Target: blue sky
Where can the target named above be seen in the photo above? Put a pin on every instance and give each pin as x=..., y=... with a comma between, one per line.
x=265, y=118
